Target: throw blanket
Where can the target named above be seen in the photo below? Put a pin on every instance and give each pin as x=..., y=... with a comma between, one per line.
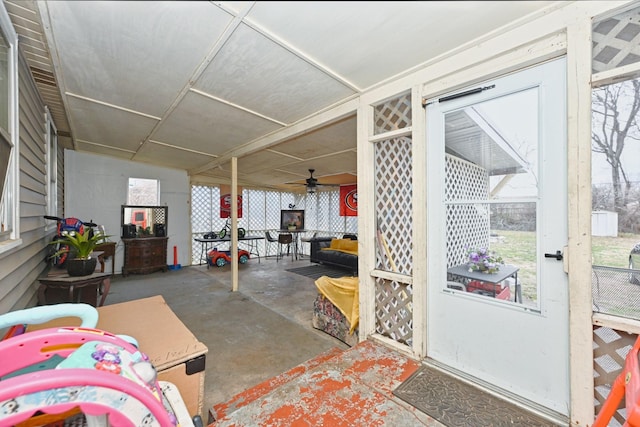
x=343, y=293
x=343, y=245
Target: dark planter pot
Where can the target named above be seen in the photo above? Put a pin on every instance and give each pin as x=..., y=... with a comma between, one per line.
x=81, y=267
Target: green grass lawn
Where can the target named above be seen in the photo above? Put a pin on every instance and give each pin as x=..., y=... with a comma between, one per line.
x=519, y=248
x=613, y=251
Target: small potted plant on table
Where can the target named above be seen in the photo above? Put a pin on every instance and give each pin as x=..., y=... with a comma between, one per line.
x=80, y=246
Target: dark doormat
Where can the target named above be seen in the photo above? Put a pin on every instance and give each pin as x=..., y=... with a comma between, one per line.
x=456, y=403
x=315, y=271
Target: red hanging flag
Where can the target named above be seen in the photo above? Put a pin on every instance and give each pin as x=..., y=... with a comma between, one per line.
x=225, y=201
x=349, y=200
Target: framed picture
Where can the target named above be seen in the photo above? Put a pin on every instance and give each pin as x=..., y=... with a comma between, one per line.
x=292, y=219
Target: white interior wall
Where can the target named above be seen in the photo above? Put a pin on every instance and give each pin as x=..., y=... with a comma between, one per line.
x=96, y=188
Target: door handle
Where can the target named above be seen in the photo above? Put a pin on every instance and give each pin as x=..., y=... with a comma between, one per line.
x=557, y=255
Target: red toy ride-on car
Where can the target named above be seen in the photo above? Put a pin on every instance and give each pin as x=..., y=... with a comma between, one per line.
x=222, y=258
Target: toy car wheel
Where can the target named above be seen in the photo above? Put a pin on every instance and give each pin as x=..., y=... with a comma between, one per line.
x=220, y=262
x=243, y=259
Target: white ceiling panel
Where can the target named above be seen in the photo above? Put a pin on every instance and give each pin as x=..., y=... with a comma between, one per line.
x=163, y=155
x=202, y=124
x=116, y=51
x=337, y=137
x=330, y=165
x=368, y=42
x=103, y=150
x=282, y=170
x=104, y=125
x=262, y=76
x=272, y=178
x=264, y=159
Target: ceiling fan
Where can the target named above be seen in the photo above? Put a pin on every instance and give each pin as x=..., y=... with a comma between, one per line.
x=312, y=183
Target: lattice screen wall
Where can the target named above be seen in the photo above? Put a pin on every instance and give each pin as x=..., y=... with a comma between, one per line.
x=610, y=348
x=616, y=41
x=393, y=114
x=466, y=193
x=393, y=190
x=261, y=211
x=394, y=310
x=393, y=201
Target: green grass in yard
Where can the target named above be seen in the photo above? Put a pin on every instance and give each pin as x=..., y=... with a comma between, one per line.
x=519, y=248
x=613, y=251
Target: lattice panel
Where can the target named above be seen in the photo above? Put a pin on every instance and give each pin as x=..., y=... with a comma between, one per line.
x=202, y=200
x=610, y=348
x=392, y=114
x=327, y=219
x=616, y=41
x=467, y=226
x=287, y=200
x=254, y=201
x=200, y=209
x=351, y=224
x=311, y=212
x=158, y=215
x=394, y=310
x=393, y=191
x=272, y=210
x=337, y=222
x=464, y=180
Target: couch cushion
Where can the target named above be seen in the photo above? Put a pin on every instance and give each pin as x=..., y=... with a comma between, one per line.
x=344, y=245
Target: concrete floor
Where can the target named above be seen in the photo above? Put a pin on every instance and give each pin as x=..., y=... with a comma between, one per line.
x=260, y=331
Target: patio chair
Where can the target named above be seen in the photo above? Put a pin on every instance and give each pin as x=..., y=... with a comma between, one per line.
x=270, y=238
x=284, y=239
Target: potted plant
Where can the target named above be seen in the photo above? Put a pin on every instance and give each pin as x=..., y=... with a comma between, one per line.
x=80, y=247
x=144, y=232
x=484, y=260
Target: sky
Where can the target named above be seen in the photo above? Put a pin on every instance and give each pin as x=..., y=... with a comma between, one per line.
x=516, y=117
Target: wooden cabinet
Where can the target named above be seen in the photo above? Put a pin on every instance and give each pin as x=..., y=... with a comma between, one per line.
x=143, y=255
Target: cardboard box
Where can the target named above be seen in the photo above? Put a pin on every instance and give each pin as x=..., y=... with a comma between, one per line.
x=175, y=352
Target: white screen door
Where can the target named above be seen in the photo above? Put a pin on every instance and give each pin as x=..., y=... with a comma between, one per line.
x=497, y=200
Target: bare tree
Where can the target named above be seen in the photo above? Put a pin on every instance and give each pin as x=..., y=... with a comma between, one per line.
x=615, y=110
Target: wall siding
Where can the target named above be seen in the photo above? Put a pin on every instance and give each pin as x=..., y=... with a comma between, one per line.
x=21, y=268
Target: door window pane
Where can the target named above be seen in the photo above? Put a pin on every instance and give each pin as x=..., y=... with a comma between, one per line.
x=491, y=192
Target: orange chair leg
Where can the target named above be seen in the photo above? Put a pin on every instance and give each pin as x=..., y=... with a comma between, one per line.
x=613, y=401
